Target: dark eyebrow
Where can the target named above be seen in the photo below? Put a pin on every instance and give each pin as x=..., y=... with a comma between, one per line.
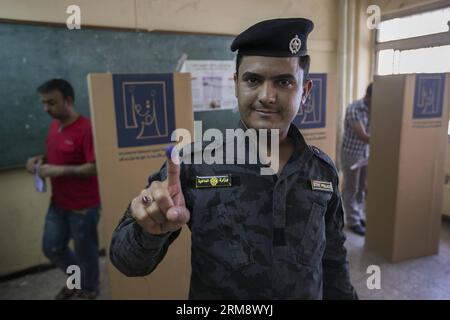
x=251, y=74
x=285, y=76
x=279, y=76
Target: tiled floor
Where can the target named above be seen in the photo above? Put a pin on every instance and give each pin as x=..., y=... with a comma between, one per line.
x=45, y=285
x=424, y=278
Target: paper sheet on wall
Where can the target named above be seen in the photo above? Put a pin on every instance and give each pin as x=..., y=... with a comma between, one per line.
x=212, y=84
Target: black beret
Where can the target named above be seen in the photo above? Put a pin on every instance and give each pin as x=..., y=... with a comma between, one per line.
x=275, y=38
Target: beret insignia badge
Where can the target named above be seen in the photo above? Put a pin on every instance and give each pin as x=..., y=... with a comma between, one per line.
x=295, y=44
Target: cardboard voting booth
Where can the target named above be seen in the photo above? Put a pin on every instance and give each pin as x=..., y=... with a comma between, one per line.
x=133, y=117
x=317, y=118
x=409, y=120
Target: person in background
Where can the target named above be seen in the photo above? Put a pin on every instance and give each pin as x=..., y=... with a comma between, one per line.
x=74, y=209
x=354, y=156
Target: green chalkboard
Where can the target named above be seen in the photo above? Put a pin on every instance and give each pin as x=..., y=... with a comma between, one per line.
x=30, y=55
x=218, y=119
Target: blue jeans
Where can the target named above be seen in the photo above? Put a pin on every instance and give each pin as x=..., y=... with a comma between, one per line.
x=354, y=190
x=60, y=226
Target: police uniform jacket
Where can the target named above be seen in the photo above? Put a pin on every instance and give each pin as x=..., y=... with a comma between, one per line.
x=259, y=237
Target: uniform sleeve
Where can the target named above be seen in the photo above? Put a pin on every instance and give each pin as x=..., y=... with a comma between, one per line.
x=336, y=275
x=88, y=145
x=135, y=252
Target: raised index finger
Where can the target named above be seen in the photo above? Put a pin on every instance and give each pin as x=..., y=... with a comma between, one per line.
x=173, y=166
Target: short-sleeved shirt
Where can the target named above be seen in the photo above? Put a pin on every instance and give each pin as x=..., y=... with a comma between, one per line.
x=72, y=145
x=352, y=144
x=262, y=237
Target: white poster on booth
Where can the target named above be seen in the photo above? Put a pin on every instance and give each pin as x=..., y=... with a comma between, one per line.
x=212, y=84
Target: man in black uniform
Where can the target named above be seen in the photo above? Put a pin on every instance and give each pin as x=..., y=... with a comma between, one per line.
x=254, y=236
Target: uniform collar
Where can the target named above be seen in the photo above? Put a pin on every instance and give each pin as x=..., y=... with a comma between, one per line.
x=297, y=139
x=293, y=132
x=302, y=152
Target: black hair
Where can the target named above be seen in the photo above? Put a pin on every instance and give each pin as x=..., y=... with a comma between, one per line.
x=60, y=85
x=303, y=61
x=369, y=90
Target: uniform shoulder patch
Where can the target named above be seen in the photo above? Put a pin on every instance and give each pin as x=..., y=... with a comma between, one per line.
x=324, y=157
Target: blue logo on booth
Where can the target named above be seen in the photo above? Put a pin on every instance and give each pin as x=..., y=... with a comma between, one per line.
x=428, y=96
x=311, y=115
x=144, y=106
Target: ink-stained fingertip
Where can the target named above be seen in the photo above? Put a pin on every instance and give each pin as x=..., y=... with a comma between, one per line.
x=169, y=151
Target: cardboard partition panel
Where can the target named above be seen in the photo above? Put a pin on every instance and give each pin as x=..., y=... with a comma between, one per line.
x=446, y=195
x=133, y=117
x=317, y=118
x=409, y=120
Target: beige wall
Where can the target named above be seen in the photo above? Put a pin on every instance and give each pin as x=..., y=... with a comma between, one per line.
x=22, y=220
x=363, y=51
x=388, y=6
x=215, y=16
x=446, y=196
x=208, y=16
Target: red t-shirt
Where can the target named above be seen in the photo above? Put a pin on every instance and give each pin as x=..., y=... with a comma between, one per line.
x=73, y=145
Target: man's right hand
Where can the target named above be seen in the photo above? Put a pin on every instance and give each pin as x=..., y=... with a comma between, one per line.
x=36, y=160
x=166, y=209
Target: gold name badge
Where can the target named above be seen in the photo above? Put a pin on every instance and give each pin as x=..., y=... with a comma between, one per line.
x=321, y=185
x=213, y=181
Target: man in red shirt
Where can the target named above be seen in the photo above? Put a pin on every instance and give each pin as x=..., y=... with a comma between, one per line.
x=75, y=204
